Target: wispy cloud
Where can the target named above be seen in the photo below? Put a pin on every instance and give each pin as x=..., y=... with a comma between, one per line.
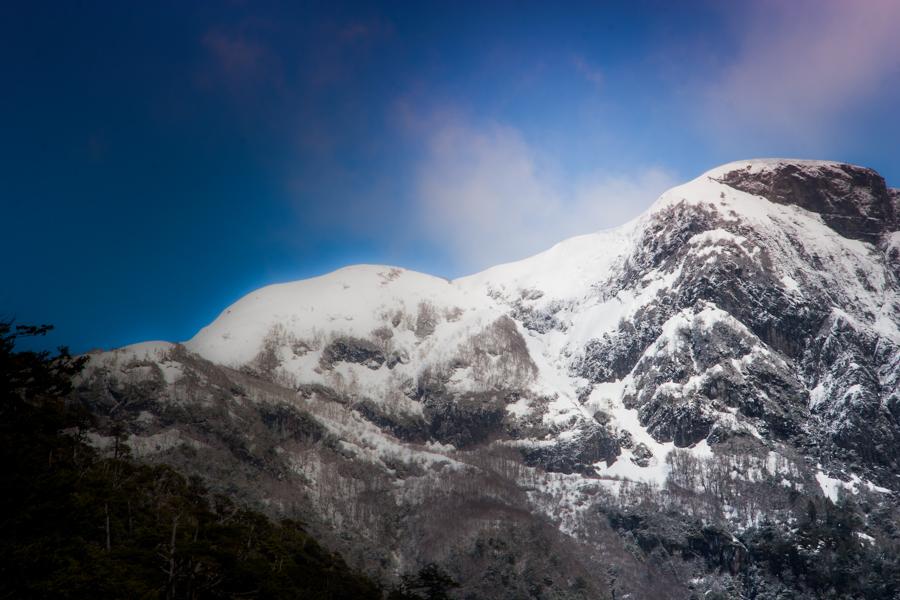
x=238, y=62
x=487, y=196
x=367, y=30
x=801, y=65
x=340, y=51
x=592, y=73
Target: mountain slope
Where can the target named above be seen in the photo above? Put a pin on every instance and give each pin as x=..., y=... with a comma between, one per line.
x=731, y=355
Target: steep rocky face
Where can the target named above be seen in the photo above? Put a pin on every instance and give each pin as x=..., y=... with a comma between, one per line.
x=854, y=201
x=705, y=364
x=785, y=277
x=854, y=392
x=730, y=358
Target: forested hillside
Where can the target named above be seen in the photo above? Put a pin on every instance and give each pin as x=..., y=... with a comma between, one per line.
x=77, y=524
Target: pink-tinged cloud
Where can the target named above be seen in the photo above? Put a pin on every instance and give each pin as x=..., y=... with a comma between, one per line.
x=238, y=62
x=360, y=31
x=340, y=51
x=802, y=64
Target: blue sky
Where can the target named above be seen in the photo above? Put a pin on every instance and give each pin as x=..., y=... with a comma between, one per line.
x=159, y=160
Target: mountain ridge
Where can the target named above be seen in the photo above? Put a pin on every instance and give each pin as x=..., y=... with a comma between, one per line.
x=725, y=354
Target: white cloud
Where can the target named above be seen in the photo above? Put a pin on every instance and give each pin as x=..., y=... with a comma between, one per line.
x=487, y=196
x=802, y=64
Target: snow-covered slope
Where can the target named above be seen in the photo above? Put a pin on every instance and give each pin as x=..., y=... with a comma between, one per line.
x=748, y=323
x=352, y=301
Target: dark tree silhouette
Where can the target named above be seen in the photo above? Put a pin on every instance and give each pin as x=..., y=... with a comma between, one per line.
x=430, y=583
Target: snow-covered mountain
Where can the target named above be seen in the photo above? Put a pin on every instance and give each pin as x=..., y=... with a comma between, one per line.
x=730, y=358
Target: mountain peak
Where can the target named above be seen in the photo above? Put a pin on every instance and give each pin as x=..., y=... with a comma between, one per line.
x=766, y=165
x=723, y=361
x=852, y=200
